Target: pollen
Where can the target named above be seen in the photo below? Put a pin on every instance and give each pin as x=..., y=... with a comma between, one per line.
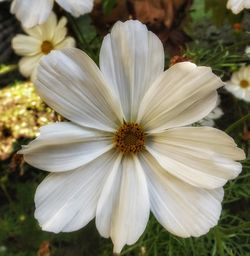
x=244, y=83
x=47, y=47
x=130, y=138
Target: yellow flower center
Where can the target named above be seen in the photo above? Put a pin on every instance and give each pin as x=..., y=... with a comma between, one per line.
x=244, y=83
x=47, y=47
x=130, y=138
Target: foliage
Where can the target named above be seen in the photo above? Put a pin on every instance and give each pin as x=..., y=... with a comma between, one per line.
x=219, y=12
x=108, y=5
x=21, y=235
x=222, y=48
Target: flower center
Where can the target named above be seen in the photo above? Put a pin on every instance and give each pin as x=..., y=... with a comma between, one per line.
x=244, y=83
x=130, y=138
x=47, y=47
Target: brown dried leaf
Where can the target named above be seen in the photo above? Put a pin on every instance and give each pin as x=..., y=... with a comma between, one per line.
x=44, y=249
x=164, y=17
x=104, y=22
x=176, y=59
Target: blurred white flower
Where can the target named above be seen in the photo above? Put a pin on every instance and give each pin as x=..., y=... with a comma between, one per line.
x=247, y=50
x=3, y=248
x=239, y=85
x=216, y=113
x=40, y=40
x=34, y=12
x=238, y=5
x=124, y=151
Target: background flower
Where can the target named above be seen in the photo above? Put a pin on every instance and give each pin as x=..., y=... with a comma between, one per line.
x=40, y=41
x=247, y=50
x=34, y=12
x=238, y=5
x=239, y=85
x=216, y=113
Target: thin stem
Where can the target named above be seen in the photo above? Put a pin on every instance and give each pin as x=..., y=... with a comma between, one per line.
x=84, y=45
x=236, y=124
x=6, y=69
x=219, y=242
x=6, y=193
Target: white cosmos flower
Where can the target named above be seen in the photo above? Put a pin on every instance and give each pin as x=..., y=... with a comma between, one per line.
x=34, y=12
x=239, y=85
x=124, y=151
x=238, y=5
x=40, y=40
x=247, y=50
x=216, y=113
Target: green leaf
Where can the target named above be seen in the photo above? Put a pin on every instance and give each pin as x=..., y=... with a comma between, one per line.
x=108, y=5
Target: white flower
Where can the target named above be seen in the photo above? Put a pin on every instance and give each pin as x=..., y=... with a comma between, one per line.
x=34, y=12
x=238, y=5
x=40, y=41
x=247, y=50
x=124, y=151
x=216, y=113
x=239, y=85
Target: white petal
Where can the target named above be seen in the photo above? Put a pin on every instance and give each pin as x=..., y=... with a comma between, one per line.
x=49, y=27
x=65, y=146
x=61, y=31
x=232, y=87
x=242, y=74
x=215, y=114
x=48, y=30
x=131, y=58
x=123, y=207
x=238, y=5
x=200, y=156
x=108, y=200
x=76, y=7
x=207, y=122
x=28, y=65
x=31, y=12
x=238, y=92
x=70, y=82
x=182, y=95
x=35, y=32
x=68, y=42
x=26, y=45
x=182, y=209
x=67, y=201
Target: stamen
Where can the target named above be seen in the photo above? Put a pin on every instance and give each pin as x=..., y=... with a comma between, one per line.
x=130, y=138
x=47, y=47
x=244, y=83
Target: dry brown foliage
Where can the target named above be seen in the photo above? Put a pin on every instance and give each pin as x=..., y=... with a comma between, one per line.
x=163, y=17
